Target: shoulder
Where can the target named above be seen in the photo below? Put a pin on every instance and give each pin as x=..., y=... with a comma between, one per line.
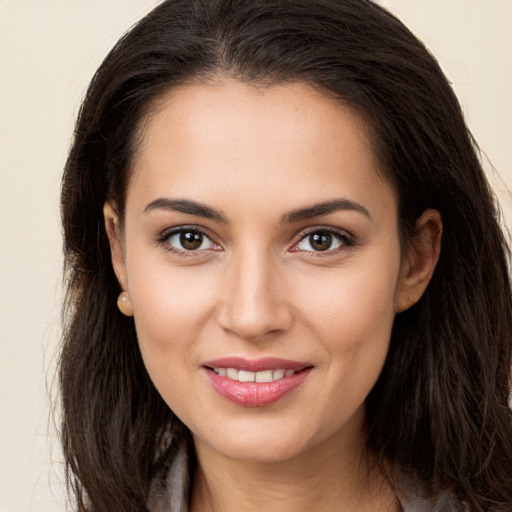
x=417, y=498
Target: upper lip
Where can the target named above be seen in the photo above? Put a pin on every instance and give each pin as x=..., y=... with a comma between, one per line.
x=257, y=365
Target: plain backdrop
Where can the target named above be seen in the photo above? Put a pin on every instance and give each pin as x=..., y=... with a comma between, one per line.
x=48, y=53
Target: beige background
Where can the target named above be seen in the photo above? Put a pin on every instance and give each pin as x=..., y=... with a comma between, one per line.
x=48, y=52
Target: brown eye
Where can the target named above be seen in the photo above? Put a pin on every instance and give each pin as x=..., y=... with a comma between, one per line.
x=320, y=241
x=323, y=240
x=189, y=240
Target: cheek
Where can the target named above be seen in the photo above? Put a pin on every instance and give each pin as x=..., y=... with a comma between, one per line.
x=168, y=323
x=171, y=307
x=352, y=316
x=352, y=300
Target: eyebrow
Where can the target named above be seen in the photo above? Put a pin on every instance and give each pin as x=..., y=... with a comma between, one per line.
x=190, y=207
x=324, y=209
x=185, y=206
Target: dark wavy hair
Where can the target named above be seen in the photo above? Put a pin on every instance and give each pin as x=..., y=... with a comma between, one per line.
x=440, y=407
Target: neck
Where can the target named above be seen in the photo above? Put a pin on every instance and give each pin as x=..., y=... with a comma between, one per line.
x=329, y=477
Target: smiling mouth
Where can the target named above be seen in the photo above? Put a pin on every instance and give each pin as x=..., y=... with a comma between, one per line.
x=248, y=376
x=256, y=383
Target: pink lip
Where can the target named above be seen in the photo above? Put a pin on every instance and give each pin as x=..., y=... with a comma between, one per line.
x=256, y=394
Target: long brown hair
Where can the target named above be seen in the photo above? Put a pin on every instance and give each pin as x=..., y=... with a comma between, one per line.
x=440, y=407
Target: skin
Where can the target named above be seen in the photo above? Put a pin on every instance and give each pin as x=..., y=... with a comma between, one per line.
x=257, y=288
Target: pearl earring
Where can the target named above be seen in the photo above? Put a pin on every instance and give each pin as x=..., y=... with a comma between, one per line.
x=124, y=304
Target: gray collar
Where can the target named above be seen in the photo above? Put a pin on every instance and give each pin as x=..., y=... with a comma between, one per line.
x=169, y=491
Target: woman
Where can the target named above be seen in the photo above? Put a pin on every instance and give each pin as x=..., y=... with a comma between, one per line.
x=260, y=314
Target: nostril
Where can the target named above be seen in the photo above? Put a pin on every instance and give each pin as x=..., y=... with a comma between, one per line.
x=252, y=303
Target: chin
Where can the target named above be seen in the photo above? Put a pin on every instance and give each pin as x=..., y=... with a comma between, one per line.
x=266, y=444
x=261, y=454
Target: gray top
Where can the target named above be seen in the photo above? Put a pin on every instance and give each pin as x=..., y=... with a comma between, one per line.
x=169, y=493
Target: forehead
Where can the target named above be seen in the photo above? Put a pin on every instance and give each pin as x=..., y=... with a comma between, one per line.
x=229, y=137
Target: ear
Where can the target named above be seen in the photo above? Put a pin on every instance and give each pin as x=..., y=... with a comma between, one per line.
x=420, y=261
x=115, y=239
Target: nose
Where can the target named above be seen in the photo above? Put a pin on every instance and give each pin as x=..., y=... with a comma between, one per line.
x=255, y=303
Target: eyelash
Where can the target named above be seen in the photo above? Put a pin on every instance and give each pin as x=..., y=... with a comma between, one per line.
x=345, y=239
x=164, y=238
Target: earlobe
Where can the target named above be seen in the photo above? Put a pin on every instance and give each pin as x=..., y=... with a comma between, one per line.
x=113, y=229
x=420, y=262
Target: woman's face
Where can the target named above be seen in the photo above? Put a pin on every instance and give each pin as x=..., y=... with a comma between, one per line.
x=262, y=260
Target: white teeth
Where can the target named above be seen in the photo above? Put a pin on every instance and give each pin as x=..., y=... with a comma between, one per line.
x=278, y=374
x=244, y=376
x=232, y=373
x=247, y=376
x=265, y=376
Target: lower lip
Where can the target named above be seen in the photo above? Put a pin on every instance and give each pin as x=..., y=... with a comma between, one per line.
x=255, y=394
